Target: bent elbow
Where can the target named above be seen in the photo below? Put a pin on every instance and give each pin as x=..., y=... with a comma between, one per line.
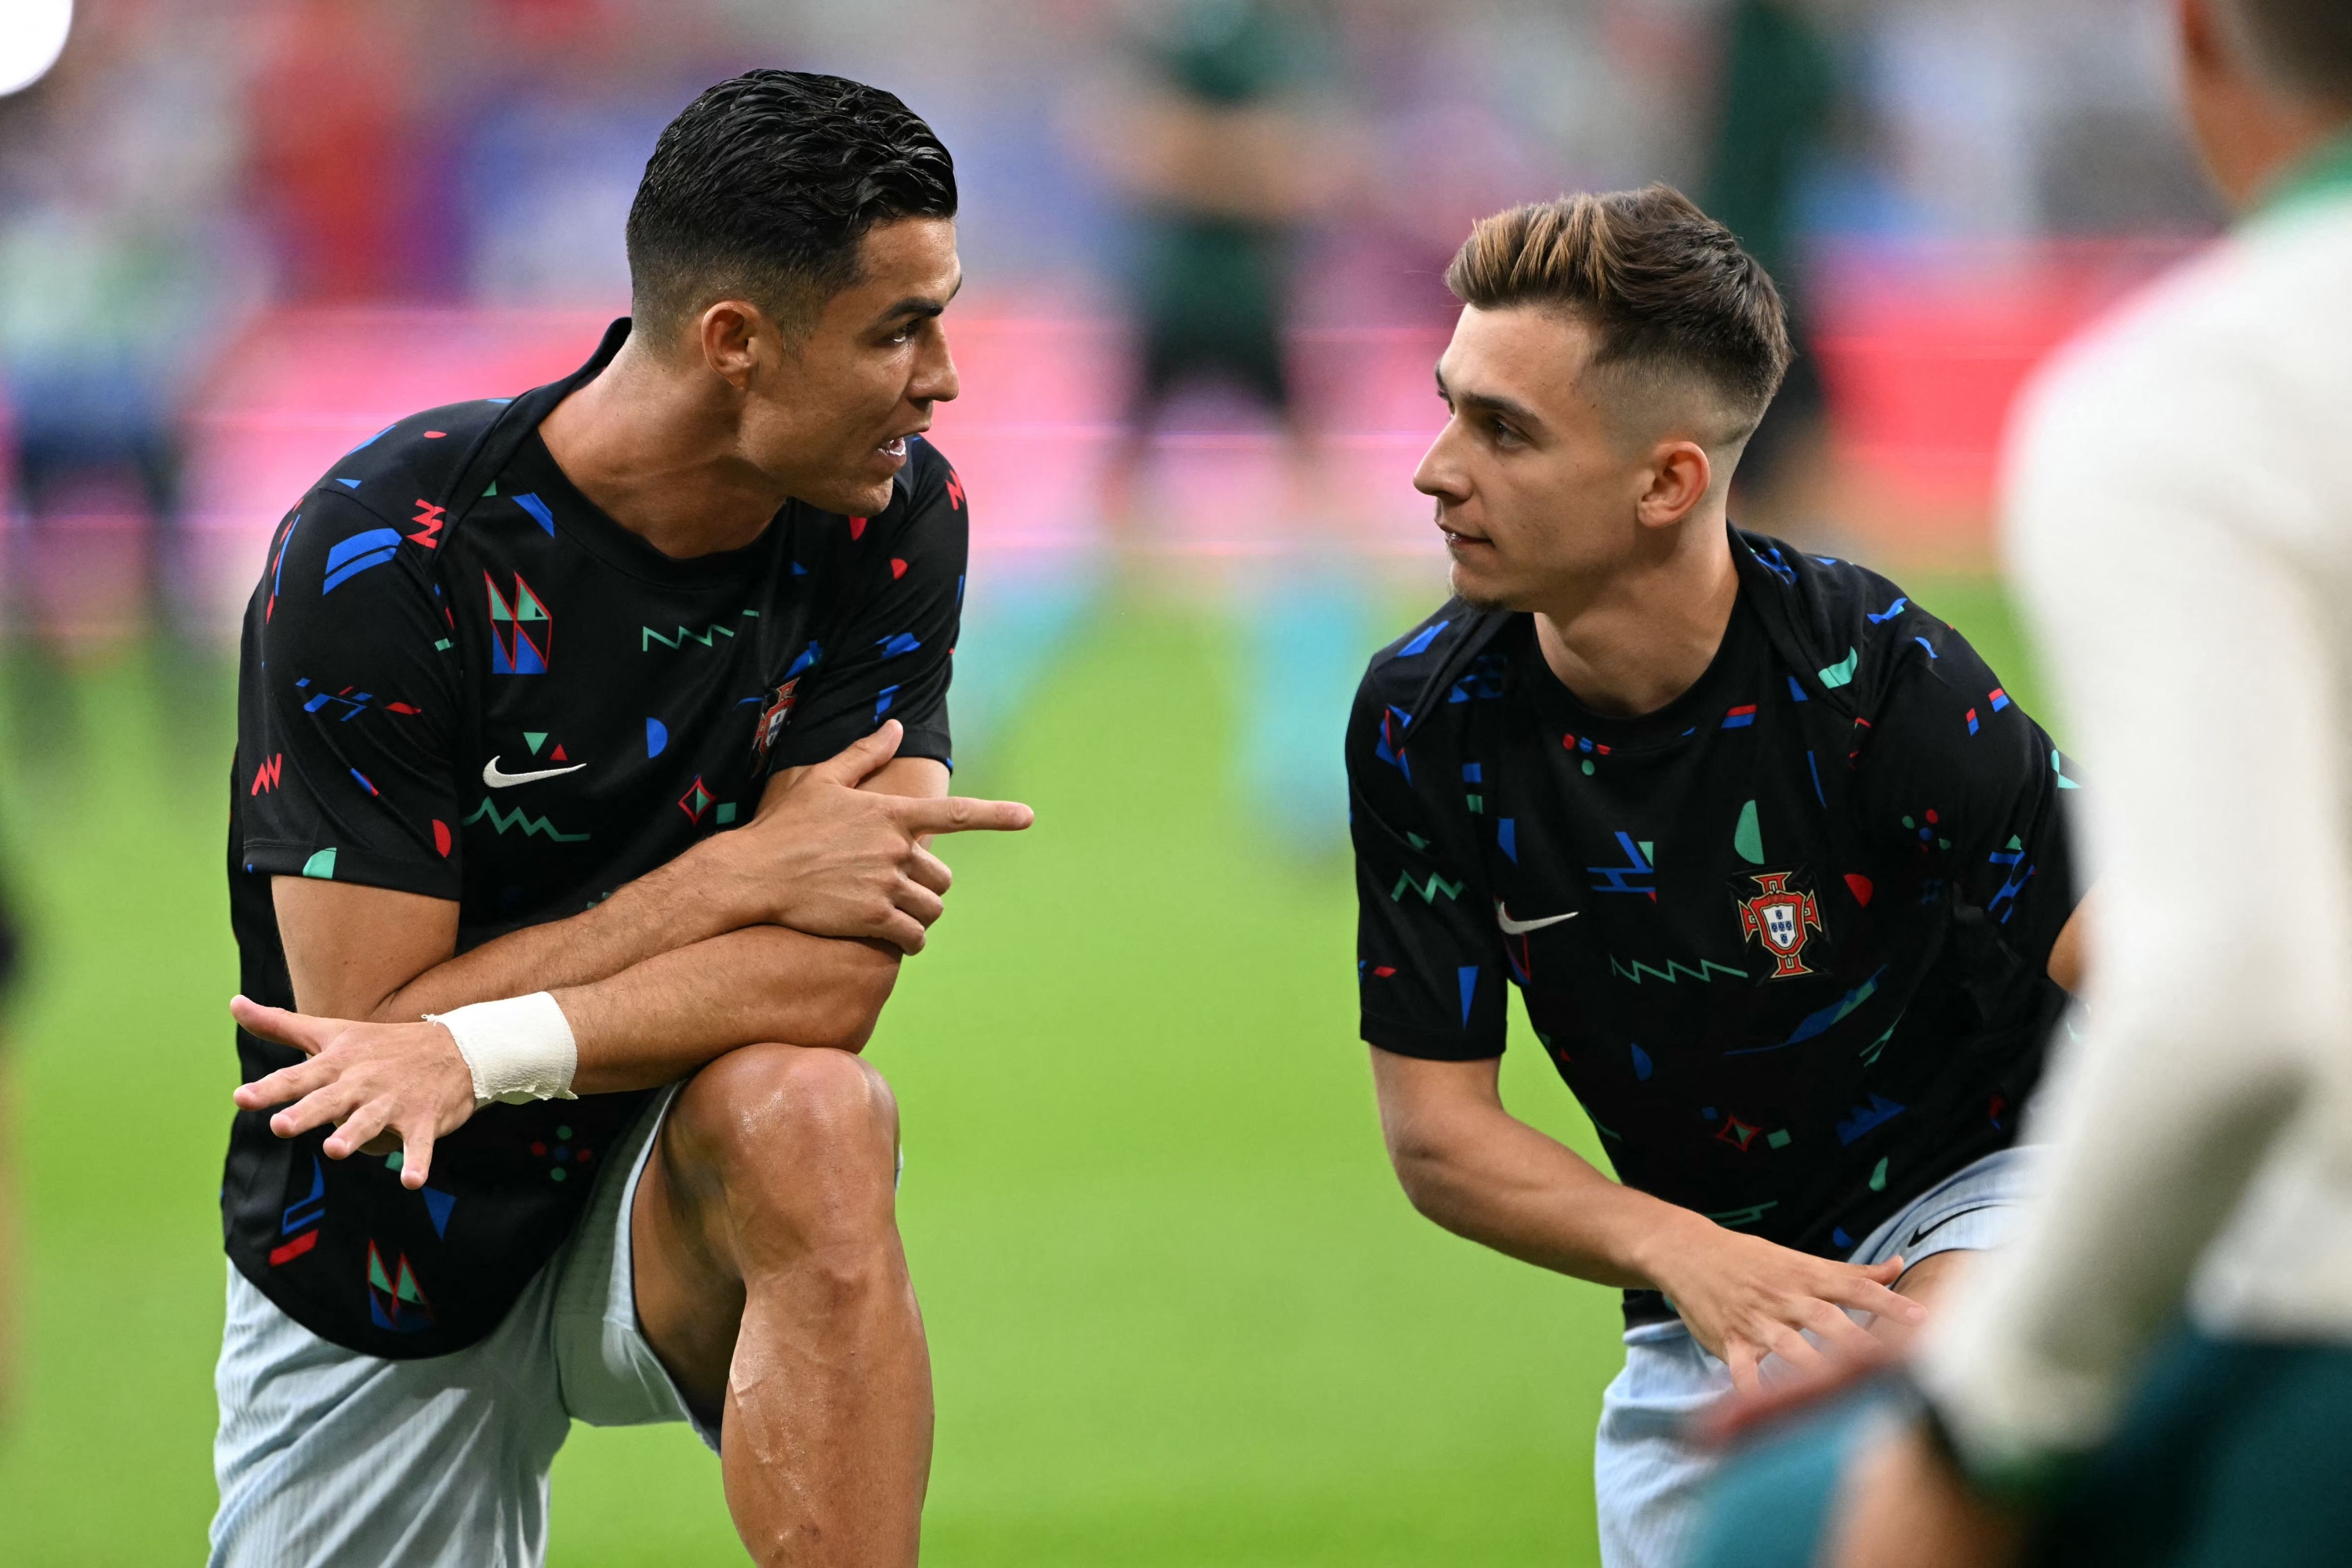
x=855, y=999
x=1421, y=1171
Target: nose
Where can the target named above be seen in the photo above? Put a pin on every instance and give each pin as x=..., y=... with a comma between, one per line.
x=935, y=379
x=1439, y=474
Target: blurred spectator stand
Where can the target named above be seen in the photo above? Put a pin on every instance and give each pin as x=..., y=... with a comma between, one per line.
x=1924, y=347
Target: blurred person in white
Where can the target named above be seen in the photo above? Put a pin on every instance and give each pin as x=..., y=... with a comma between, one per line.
x=2157, y=1369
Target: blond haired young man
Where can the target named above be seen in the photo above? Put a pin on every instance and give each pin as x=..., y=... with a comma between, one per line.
x=1779, y=868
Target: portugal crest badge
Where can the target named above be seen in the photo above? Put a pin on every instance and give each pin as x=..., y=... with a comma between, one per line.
x=1782, y=918
x=773, y=718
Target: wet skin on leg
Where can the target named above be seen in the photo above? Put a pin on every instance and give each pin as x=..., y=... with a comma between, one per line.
x=771, y=1282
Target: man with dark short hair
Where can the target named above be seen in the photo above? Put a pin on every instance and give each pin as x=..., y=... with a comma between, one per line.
x=588, y=744
x=1779, y=868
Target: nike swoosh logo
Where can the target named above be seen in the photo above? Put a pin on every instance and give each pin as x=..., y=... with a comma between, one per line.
x=497, y=780
x=1521, y=928
x=1923, y=1231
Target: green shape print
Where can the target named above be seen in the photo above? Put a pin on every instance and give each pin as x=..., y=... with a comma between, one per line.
x=1747, y=838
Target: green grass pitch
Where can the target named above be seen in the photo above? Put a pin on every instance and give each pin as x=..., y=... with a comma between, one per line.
x=1179, y=1312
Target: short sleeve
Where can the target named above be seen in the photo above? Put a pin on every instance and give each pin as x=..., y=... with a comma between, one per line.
x=344, y=760
x=893, y=654
x=1429, y=964
x=1958, y=780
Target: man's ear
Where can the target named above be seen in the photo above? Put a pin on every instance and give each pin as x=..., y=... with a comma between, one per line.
x=735, y=334
x=1680, y=474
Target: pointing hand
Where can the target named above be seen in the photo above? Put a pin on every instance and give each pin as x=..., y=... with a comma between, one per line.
x=824, y=856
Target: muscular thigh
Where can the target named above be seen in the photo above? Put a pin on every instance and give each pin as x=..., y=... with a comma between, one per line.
x=1928, y=1282
x=690, y=1293
x=754, y=1152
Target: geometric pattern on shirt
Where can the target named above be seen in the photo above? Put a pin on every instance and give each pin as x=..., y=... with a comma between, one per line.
x=394, y=1300
x=522, y=633
x=694, y=721
x=707, y=638
x=532, y=826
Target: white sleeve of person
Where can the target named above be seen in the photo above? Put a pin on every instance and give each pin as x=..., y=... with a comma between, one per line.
x=518, y=1050
x=2198, y=1154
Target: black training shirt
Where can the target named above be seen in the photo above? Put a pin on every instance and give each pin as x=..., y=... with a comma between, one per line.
x=1784, y=938
x=521, y=707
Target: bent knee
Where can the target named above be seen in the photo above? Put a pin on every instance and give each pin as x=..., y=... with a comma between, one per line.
x=801, y=1110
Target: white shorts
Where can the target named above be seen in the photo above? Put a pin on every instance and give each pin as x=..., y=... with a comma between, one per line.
x=1646, y=1477
x=328, y=1458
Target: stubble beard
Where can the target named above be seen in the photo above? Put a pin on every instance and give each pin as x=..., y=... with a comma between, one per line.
x=1470, y=594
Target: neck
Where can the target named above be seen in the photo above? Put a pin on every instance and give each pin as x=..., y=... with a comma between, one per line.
x=2293, y=160
x=1634, y=640
x=659, y=454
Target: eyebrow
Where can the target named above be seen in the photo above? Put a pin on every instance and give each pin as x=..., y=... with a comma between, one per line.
x=1490, y=401
x=920, y=305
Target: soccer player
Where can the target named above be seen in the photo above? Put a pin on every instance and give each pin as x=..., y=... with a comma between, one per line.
x=587, y=742
x=2177, y=482
x=1779, y=869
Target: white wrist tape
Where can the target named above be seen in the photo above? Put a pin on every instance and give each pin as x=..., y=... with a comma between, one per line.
x=518, y=1050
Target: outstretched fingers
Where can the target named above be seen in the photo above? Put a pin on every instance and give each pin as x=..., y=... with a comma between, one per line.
x=1840, y=1332
x=963, y=813
x=331, y=1102
x=418, y=1133
x=357, y=1130
x=1863, y=1289
x=1793, y=1348
x=304, y=1033
x=283, y=1087
x=1741, y=1359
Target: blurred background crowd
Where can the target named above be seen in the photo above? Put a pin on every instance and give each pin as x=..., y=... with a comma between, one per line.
x=1203, y=239
x=1203, y=242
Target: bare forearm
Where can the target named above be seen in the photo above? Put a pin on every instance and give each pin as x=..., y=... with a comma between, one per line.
x=667, y=908
x=661, y=1019
x=1504, y=1185
x=702, y=894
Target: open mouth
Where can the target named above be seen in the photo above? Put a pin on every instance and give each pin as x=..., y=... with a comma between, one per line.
x=1457, y=540
x=895, y=450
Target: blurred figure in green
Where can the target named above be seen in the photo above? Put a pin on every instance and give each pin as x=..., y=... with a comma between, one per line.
x=1228, y=147
x=1214, y=148
x=1779, y=92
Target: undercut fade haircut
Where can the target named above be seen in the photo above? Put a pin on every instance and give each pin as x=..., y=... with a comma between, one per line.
x=1673, y=298
x=2305, y=46
x=763, y=189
